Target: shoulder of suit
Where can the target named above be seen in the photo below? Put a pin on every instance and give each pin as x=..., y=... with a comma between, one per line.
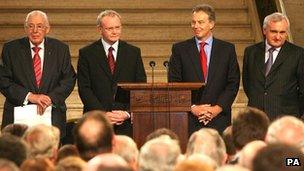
x=126, y=44
x=55, y=41
x=184, y=43
x=294, y=46
x=222, y=42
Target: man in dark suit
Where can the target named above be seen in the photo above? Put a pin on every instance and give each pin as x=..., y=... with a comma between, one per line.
x=206, y=59
x=273, y=71
x=105, y=63
x=36, y=70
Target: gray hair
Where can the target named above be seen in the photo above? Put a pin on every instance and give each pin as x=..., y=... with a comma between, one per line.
x=159, y=154
x=35, y=13
x=209, y=142
x=110, y=13
x=126, y=148
x=209, y=10
x=275, y=17
x=42, y=140
x=8, y=165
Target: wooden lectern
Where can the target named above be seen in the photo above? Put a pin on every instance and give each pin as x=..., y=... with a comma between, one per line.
x=159, y=105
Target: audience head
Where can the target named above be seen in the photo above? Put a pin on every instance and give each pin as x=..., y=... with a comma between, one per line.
x=162, y=131
x=287, y=130
x=203, y=21
x=249, y=152
x=71, y=163
x=232, y=168
x=275, y=29
x=15, y=129
x=36, y=26
x=107, y=161
x=126, y=148
x=230, y=147
x=12, y=148
x=43, y=141
x=273, y=158
x=193, y=165
x=6, y=165
x=37, y=164
x=93, y=135
x=67, y=151
x=209, y=142
x=109, y=26
x=204, y=159
x=250, y=124
x=159, y=154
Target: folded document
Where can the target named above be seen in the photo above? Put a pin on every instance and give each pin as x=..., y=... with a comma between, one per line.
x=28, y=115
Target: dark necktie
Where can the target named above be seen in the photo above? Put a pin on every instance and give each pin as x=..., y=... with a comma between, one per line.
x=37, y=65
x=269, y=62
x=111, y=60
x=203, y=57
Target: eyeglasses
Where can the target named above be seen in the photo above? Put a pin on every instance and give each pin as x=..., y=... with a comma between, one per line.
x=110, y=29
x=39, y=27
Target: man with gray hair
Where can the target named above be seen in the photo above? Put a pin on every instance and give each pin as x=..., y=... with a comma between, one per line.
x=102, y=65
x=273, y=71
x=209, y=142
x=36, y=69
x=288, y=130
x=43, y=141
x=159, y=154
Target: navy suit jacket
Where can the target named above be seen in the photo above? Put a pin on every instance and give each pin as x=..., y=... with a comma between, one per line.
x=282, y=91
x=223, y=78
x=18, y=78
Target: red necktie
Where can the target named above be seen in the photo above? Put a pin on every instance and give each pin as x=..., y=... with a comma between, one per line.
x=37, y=65
x=203, y=57
x=111, y=60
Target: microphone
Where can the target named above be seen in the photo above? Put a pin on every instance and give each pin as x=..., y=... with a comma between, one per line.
x=152, y=65
x=166, y=65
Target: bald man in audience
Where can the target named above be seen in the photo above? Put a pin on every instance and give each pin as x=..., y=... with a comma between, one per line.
x=126, y=148
x=287, y=130
x=209, y=142
x=249, y=152
x=107, y=161
x=93, y=135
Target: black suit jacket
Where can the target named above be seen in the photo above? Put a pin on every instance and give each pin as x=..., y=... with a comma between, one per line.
x=17, y=77
x=223, y=78
x=98, y=87
x=282, y=91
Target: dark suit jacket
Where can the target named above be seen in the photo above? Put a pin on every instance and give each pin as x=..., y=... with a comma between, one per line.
x=98, y=87
x=282, y=91
x=223, y=78
x=17, y=77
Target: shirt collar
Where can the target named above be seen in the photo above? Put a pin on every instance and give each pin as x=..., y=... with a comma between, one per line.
x=208, y=41
x=41, y=45
x=107, y=45
x=268, y=46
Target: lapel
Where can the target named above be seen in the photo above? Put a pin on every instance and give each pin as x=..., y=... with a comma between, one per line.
x=101, y=58
x=48, y=61
x=119, y=59
x=282, y=56
x=260, y=59
x=194, y=56
x=214, y=57
x=27, y=62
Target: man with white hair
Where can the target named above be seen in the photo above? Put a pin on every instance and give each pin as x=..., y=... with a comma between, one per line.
x=209, y=142
x=288, y=130
x=159, y=154
x=273, y=71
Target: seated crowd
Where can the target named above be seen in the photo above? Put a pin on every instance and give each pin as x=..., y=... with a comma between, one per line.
x=251, y=143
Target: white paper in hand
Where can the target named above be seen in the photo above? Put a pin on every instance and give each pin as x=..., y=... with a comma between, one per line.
x=28, y=115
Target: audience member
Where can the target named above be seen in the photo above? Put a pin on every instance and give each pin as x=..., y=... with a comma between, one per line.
x=159, y=154
x=209, y=142
x=162, y=131
x=249, y=125
x=107, y=161
x=93, y=135
x=43, y=141
x=249, y=151
x=37, y=164
x=287, y=130
x=202, y=158
x=15, y=129
x=6, y=165
x=72, y=163
x=126, y=148
x=230, y=147
x=232, y=168
x=12, y=148
x=273, y=158
x=67, y=151
x=194, y=164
